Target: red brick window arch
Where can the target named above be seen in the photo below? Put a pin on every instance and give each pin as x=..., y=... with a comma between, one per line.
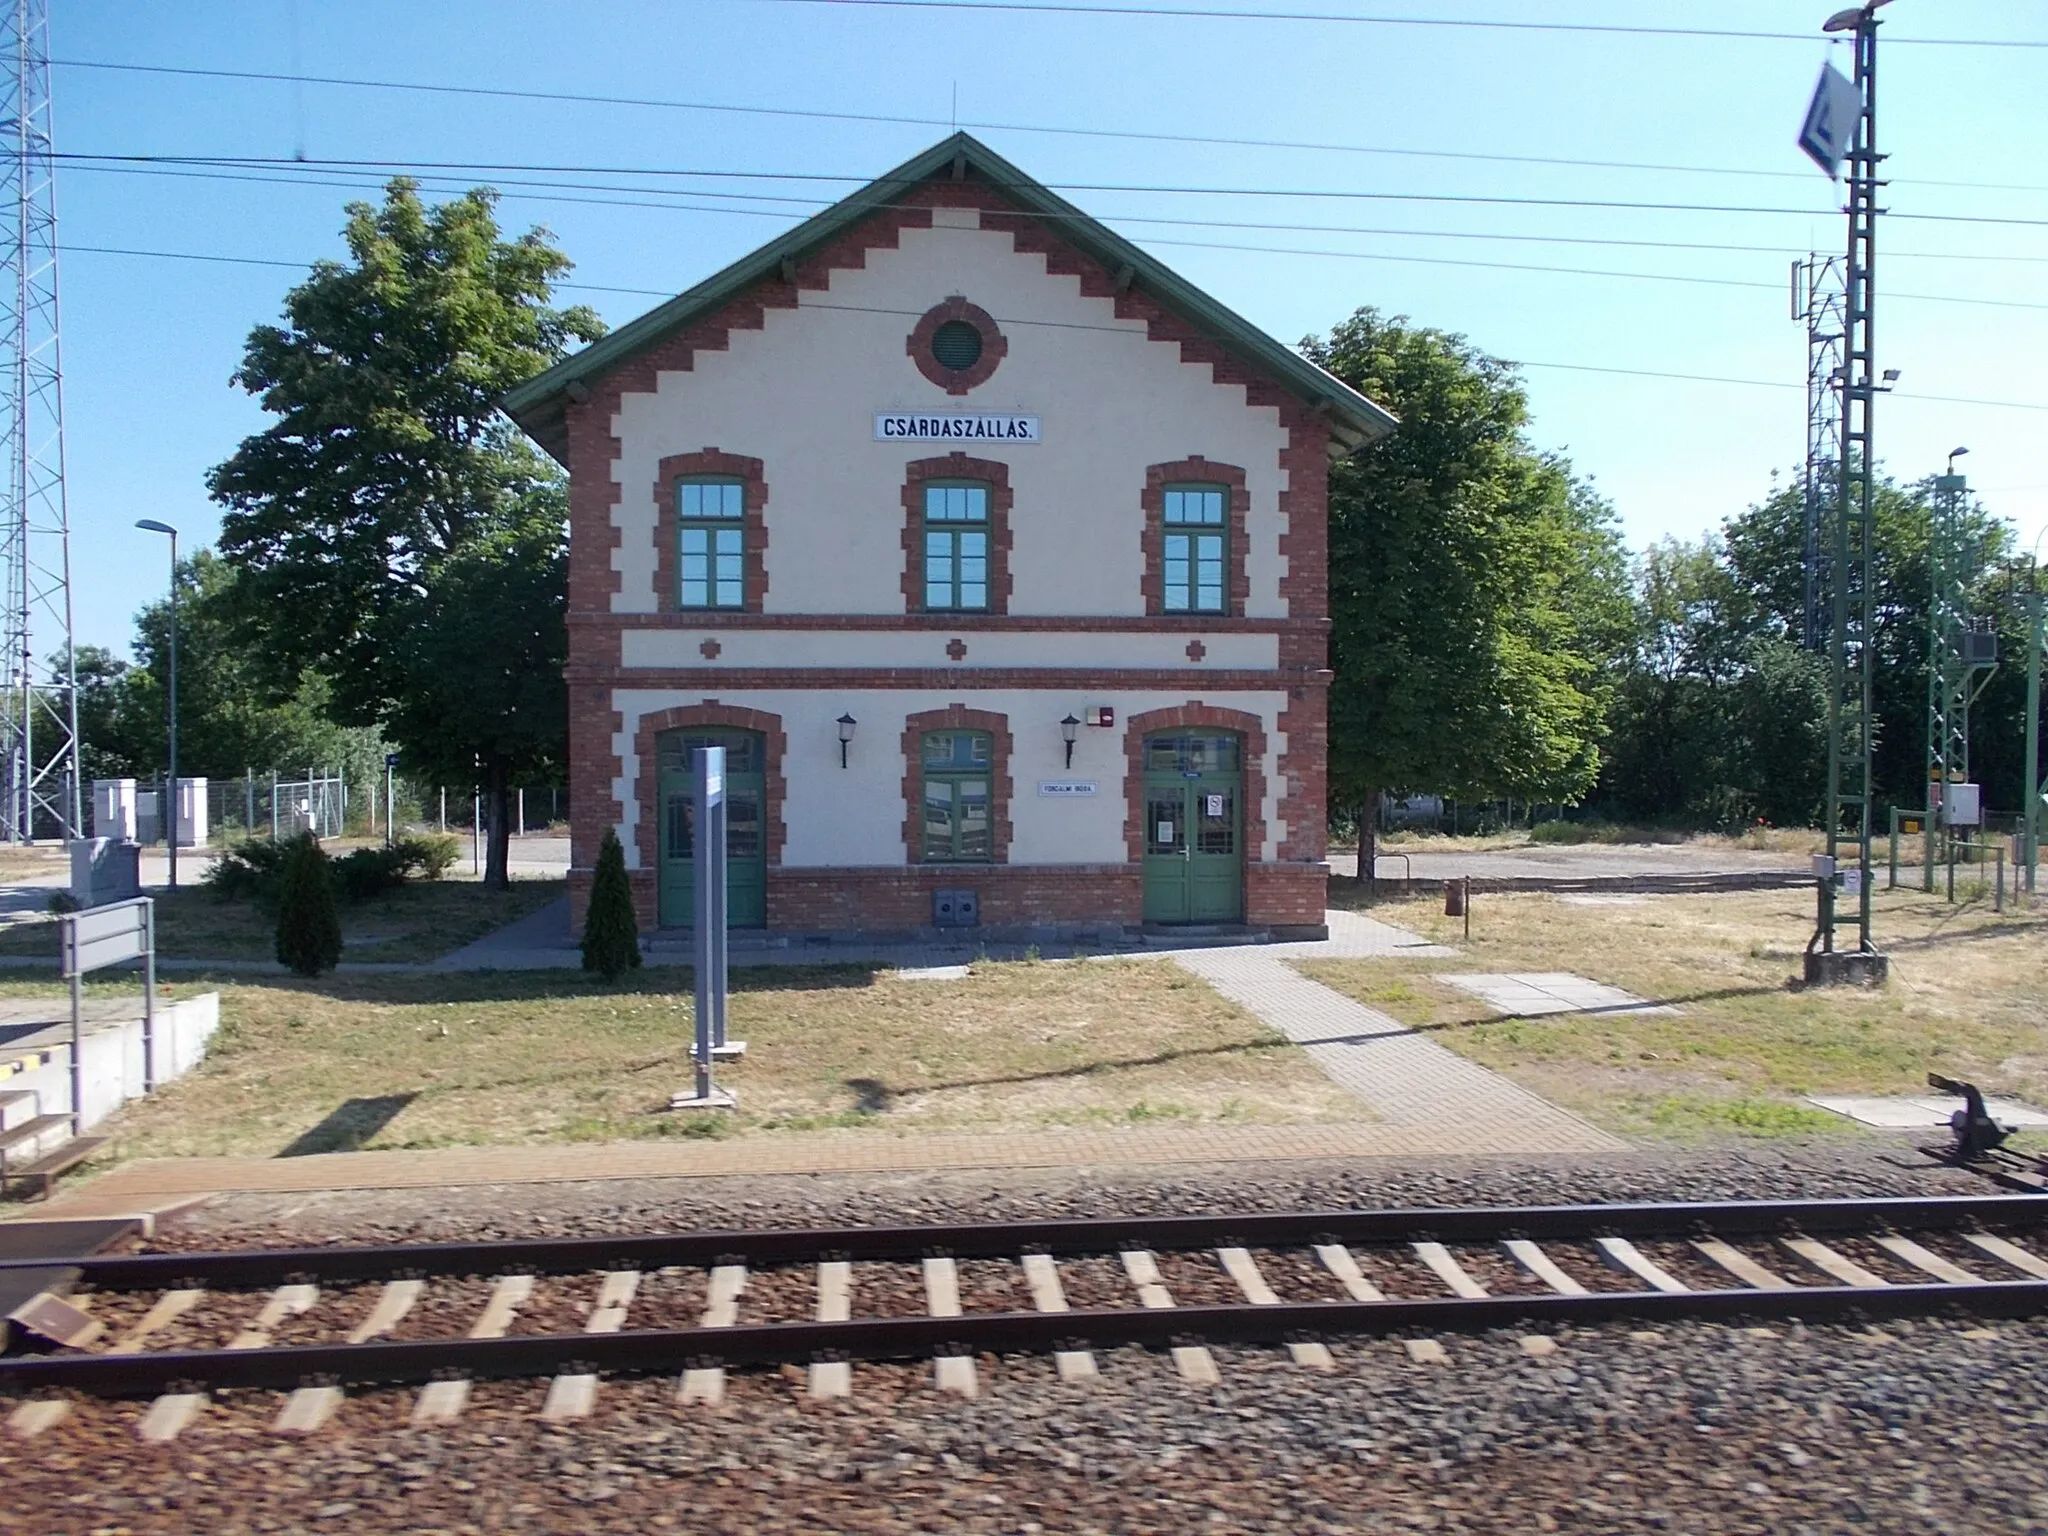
x=946, y=742
x=775, y=786
x=956, y=536
x=711, y=533
x=1197, y=539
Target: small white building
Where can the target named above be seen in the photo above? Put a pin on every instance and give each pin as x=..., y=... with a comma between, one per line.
x=991, y=550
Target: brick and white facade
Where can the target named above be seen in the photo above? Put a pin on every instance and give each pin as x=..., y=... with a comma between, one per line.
x=770, y=377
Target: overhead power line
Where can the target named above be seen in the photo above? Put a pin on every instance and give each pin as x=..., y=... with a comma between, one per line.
x=1456, y=199
x=1056, y=8
x=575, y=98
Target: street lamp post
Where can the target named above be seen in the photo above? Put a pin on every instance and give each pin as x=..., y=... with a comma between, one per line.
x=170, y=810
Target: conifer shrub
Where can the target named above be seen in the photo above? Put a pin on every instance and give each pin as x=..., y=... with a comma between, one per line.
x=611, y=933
x=308, y=926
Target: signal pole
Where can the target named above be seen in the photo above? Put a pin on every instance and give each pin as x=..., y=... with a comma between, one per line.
x=1817, y=299
x=1851, y=718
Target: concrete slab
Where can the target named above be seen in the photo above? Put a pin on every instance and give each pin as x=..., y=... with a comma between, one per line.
x=1904, y=1114
x=1528, y=994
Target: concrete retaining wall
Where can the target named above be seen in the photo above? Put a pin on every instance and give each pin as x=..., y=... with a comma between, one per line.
x=112, y=1058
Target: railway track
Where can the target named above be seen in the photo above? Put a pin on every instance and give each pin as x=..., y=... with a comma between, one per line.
x=314, y=1322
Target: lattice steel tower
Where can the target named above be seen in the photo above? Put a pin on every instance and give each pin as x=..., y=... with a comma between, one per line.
x=39, y=783
x=1959, y=647
x=1818, y=300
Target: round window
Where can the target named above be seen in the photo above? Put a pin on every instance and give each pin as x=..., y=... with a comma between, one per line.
x=956, y=346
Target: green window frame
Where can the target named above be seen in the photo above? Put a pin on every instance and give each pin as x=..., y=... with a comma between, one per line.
x=711, y=543
x=956, y=546
x=958, y=805
x=1195, y=549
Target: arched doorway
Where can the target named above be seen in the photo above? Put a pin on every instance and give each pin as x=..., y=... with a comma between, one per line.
x=1194, y=827
x=746, y=850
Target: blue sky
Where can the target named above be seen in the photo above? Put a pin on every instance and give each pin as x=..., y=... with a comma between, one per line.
x=150, y=342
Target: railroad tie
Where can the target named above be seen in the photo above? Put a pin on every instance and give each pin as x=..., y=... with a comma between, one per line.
x=706, y=1383
x=1239, y=1264
x=1833, y=1264
x=1048, y=1295
x=1538, y=1263
x=168, y=1415
x=1741, y=1265
x=2008, y=1252
x=1193, y=1361
x=953, y=1373
x=309, y=1408
x=442, y=1402
x=32, y=1418
x=167, y=1309
x=1446, y=1268
x=1926, y=1260
x=1626, y=1256
x=1342, y=1263
x=573, y=1394
x=833, y=1378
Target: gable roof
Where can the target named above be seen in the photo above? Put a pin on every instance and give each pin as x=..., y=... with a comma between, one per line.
x=540, y=404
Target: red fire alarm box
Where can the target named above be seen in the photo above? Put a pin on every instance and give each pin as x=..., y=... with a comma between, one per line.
x=1100, y=714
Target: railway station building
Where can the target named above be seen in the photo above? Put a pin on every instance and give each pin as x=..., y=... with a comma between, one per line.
x=992, y=551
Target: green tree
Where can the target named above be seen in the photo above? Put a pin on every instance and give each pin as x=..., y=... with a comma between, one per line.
x=308, y=925
x=1477, y=589
x=388, y=461
x=611, y=932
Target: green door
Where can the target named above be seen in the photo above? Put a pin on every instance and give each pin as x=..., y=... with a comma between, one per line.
x=1194, y=861
x=746, y=850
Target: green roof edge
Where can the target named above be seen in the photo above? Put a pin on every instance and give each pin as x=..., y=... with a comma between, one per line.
x=538, y=404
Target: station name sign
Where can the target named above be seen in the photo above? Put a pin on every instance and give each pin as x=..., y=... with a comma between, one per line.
x=914, y=427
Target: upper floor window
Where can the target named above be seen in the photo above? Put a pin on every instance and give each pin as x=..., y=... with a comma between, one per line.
x=956, y=768
x=956, y=535
x=1194, y=565
x=711, y=540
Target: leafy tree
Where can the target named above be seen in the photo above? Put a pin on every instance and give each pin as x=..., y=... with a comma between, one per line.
x=99, y=675
x=388, y=466
x=1477, y=588
x=611, y=932
x=308, y=926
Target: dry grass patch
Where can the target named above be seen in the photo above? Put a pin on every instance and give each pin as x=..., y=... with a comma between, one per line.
x=430, y=1060
x=416, y=922
x=1968, y=997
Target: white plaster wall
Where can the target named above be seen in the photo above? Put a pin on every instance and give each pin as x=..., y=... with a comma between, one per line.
x=801, y=395
x=752, y=649
x=854, y=816
x=112, y=1058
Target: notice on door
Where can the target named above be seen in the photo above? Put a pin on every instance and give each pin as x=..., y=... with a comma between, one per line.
x=1212, y=805
x=1163, y=833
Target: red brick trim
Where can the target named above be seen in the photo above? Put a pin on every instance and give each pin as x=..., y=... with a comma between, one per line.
x=646, y=783
x=944, y=678
x=1209, y=717
x=609, y=624
x=754, y=525
x=994, y=345
x=1196, y=471
x=957, y=466
x=957, y=717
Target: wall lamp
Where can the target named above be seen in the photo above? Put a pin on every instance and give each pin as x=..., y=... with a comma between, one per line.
x=1069, y=729
x=846, y=727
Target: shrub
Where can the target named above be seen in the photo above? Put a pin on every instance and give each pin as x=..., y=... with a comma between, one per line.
x=308, y=927
x=251, y=867
x=611, y=933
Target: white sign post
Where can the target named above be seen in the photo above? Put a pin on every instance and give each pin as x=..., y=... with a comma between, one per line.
x=103, y=936
x=708, y=923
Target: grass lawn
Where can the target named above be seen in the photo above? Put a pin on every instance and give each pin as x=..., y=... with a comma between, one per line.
x=1968, y=998
x=440, y=1059
x=415, y=922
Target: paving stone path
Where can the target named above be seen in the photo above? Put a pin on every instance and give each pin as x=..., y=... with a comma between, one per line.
x=1407, y=1079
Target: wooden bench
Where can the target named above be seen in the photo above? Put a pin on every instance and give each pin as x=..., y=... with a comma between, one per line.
x=44, y=1170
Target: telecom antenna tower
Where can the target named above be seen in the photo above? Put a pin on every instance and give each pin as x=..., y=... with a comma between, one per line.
x=39, y=782
x=1818, y=300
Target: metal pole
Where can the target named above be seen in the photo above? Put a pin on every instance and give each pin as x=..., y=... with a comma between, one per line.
x=476, y=833
x=273, y=805
x=149, y=1073
x=520, y=824
x=708, y=925
x=174, y=709
x=444, y=810
x=2031, y=787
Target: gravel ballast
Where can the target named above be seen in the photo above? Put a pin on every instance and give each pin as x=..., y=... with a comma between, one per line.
x=1921, y=1426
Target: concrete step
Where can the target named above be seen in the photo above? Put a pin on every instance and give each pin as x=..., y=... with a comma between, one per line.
x=17, y=1105
x=25, y=1141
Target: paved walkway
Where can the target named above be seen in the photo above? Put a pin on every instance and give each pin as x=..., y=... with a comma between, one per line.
x=1404, y=1077
x=156, y=1183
